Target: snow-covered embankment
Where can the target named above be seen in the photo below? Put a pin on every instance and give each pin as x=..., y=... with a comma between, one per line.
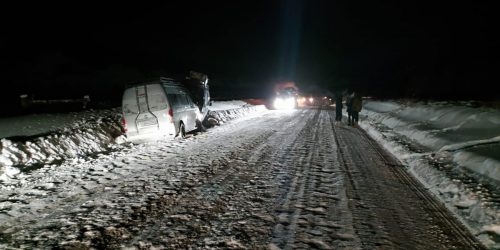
x=452, y=148
x=90, y=132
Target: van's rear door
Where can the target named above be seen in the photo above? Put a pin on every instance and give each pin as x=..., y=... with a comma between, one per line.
x=142, y=106
x=146, y=120
x=130, y=109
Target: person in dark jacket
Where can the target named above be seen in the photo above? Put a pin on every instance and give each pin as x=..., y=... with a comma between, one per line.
x=357, y=105
x=338, y=107
x=348, y=103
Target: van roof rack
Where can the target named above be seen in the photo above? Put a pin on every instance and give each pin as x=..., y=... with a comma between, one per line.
x=162, y=80
x=170, y=82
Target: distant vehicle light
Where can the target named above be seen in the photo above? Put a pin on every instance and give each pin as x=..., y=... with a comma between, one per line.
x=311, y=100
x=284, y=103
x=301, y=101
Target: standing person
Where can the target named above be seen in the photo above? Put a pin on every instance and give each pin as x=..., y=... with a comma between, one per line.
x=348, y=103
x=338, y=106
x=357, y=105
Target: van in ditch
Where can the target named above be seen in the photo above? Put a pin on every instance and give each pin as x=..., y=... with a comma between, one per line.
x=159, y=109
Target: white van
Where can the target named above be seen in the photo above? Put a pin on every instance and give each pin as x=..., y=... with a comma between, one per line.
x=159, y=109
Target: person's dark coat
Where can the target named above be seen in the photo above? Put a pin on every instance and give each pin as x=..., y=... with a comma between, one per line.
x=357, y=103
x=338, y=102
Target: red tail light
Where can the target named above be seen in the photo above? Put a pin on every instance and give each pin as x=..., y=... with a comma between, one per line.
x=124, y=124
x=171, y=115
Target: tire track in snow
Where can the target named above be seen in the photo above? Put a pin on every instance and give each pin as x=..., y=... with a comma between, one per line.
x=313, y=212
x=294, y=184
x=238, y=199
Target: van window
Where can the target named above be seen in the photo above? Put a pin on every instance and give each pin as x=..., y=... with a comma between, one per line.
x=157, y=101
x=129, y=105
x=130, y=108
x=189, y=100
x=184, y=100
x=174, y=100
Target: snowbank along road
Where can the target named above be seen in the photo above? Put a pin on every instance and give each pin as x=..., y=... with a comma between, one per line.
x=276, y=180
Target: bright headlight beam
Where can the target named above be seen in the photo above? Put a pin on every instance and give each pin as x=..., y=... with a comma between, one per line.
x=284, y=103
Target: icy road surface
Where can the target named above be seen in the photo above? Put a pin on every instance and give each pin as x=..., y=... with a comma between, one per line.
x=277, y=180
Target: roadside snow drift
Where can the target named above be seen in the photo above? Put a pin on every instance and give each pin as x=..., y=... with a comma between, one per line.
x=221, y=112
x=469, y=135
x=78, y=135
x=92, y=132
x=452, y=148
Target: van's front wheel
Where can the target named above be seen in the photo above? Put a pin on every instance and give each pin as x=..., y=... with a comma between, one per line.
x=182, y=131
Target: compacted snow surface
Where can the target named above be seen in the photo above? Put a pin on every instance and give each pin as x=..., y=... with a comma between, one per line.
x=452, y=148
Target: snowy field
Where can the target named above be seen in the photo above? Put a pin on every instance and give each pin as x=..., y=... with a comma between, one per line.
x=452, y=148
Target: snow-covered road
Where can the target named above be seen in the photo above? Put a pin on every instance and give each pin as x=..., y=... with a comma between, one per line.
x=274, y=179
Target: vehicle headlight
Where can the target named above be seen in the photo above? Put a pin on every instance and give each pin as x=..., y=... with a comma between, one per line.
x=284, y=103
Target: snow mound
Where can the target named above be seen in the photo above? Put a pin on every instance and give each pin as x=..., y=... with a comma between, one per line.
x=79, y=135
x=233, y=109
x=228, y=105
x=93, y=132
x=471, y=134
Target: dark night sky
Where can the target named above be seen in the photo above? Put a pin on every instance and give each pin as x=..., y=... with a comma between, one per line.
x=382, y=48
